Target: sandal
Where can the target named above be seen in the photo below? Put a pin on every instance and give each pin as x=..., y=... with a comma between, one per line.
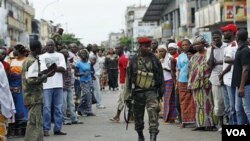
x=77, y=122
x=91, y=114
x=114, y=119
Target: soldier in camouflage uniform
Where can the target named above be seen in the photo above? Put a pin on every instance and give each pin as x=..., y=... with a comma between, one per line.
x=145, y=85
x=57, y=37
x=32, y=81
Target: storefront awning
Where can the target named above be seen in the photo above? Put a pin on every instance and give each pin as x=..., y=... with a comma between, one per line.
x=155, y=10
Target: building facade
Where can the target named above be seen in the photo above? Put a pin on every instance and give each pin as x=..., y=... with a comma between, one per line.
x=185, y=18
x=18, y=15
x=114, y=39
x=135, y=27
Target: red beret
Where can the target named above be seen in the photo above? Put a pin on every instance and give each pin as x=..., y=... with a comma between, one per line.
x=231, y=27
x=144, y=40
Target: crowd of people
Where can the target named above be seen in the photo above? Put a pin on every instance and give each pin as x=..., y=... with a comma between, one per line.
x=194, y=84
x=206, y=85
x=52, y=84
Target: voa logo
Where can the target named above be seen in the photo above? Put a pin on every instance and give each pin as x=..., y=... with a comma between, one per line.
x=236, y=132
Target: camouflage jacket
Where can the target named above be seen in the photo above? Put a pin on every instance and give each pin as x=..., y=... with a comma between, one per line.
x=57, y=39
x=132, y=75
x=32, y=86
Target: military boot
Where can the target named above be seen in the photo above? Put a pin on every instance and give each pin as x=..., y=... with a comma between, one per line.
x=140, y=136
x=153, y=136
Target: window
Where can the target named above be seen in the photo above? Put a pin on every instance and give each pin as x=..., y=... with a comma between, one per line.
x=26, y=24
x=152, y=24
x=193, y=15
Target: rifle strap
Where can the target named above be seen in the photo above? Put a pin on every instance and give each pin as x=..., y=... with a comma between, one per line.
x=125, y=117
x=144, y=64
x=39, y=64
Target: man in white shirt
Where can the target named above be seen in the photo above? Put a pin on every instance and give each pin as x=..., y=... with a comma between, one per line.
x=229, y=32
x=53, y=89
x=215, y=61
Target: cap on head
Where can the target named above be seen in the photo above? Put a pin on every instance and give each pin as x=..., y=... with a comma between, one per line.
x=144, y=40
x=173, y=45
x=231, y=27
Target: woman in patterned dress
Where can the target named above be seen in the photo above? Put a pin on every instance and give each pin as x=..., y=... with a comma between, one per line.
x=199, y=84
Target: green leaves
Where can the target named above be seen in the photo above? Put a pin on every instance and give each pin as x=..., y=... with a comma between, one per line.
x=70, y=38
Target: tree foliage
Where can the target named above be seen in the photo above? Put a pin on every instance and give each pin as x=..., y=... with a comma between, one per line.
x=69, y=38
x=125, y=41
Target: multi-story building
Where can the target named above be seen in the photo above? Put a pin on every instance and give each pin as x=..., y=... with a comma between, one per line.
x=135, y=27
x=114, y=39
x=183, y=18
x=19, y=20
x=46, y=30
x=105, y=44
x=4, y=38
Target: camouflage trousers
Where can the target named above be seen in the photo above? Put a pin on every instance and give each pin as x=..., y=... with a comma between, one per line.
x=34, y=129
x=148, y=99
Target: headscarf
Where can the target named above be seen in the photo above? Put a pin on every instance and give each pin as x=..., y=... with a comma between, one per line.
x=173, y=45
x=199, y=39
x=162, y=46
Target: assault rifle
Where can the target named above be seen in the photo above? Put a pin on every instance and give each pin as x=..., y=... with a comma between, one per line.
x=129, y=102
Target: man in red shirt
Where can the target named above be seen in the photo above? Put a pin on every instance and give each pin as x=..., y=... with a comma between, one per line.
x=122, y=64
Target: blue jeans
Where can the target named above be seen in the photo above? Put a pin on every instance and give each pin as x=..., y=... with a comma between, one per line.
x=55, y=94
x=68, y=103
x=229, y=101
x=243, y=107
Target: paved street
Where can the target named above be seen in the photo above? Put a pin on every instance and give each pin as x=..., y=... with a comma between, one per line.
x=99, y=128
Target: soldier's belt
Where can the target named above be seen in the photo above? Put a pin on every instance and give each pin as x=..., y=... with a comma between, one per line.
x=15, y=89
x=138, y=90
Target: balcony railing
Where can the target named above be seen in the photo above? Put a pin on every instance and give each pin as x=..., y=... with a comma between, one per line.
x=13, y=23
x=19, y=3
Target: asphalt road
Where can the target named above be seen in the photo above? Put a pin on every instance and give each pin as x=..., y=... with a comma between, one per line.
x=100, y=128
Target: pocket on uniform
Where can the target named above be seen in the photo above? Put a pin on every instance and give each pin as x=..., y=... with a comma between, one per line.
x=32, y=119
